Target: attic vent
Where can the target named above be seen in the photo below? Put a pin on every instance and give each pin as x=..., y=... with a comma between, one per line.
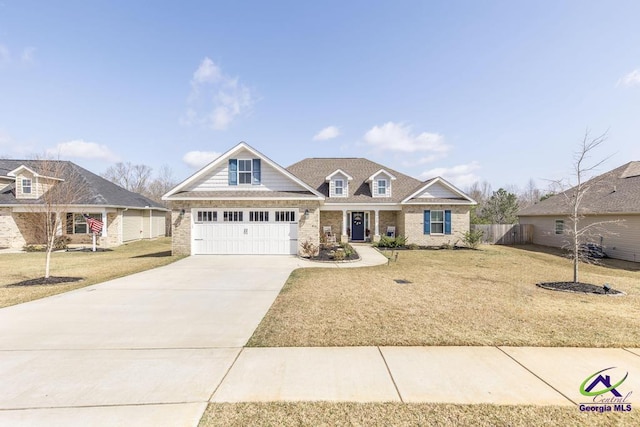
x=632, y=170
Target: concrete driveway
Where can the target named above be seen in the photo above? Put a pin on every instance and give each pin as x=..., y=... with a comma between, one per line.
x=146, y=349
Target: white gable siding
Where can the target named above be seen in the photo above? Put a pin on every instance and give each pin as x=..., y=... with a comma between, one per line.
x=271, y=179
x=332, y=186
x=374, y=185
x=438, y=191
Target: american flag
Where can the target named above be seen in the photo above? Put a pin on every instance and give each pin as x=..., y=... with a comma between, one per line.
x=95, y=225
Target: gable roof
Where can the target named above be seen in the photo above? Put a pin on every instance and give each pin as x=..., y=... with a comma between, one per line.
x=100, y=192
x=461, y=198
x=341, y=172
x=614, y=192
x=182, y=190
x=315, y=170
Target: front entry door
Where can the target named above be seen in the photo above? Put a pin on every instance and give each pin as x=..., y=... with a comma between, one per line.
x=357, y=226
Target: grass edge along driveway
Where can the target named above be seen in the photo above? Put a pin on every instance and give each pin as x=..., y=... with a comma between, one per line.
x=93, y=267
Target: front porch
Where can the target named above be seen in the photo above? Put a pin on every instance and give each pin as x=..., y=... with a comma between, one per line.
x=359, y=225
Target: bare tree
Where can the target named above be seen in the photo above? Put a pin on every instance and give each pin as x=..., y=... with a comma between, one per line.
x=58, y=186
x=530, y=195
x=129, y=176
x=161, y=184
x=579, y=233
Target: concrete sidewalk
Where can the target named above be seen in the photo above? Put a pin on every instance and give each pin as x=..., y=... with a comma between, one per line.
x=463, y=375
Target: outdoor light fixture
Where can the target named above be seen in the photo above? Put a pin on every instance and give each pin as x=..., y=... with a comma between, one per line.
x=606, y=288
x=181, y=212
x=306, y=214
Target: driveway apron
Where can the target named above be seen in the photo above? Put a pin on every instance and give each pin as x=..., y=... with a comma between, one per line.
x=134, y=348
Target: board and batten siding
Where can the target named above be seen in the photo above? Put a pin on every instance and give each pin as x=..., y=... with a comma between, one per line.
x=158, y=224
x=620, y=240
x=270, y=179
x=438, y=191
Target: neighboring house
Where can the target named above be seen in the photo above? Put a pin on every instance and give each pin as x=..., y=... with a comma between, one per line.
x=245, y=203
x=613, y=196
x=126, y=216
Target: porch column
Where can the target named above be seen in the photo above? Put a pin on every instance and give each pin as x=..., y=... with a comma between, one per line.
x=377, y=223
x=344, y=237
x=104, y=223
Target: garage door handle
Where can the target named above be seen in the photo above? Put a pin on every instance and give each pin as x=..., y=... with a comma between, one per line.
x=246, y=231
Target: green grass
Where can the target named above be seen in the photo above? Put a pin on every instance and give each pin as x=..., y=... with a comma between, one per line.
x=484, y=297
x=404, y=414
x=93, y=267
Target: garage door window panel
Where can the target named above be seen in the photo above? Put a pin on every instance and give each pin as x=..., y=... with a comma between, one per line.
x=285, y=216
x=206, y=216
x=232, y=216
x=259, y=216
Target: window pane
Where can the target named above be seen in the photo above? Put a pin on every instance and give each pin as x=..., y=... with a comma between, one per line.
x=244, y=165
x=245, y=177
x=437, y=228
x=437, y=216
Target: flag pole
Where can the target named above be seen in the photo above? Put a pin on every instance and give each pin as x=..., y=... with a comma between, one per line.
x=94, y=241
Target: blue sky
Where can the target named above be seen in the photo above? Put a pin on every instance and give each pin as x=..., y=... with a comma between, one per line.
x=501, y=91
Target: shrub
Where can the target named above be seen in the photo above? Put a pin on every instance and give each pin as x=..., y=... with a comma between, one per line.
x=308, y=249
x=413, y=246
x=472, y=238
x=34, y=248
x=339, y=255
x=348, y=249
x=392, y=242
x=61, y=242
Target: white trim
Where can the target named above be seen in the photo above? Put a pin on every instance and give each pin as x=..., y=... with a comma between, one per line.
x=361, y=206
x=340, y=171
x=311, y=199
x=373, y=177
x=446, y=184
x=224, y=157
x=14, y=173
x=79, y=208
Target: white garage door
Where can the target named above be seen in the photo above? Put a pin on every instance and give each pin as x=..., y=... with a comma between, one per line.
x=244, y=232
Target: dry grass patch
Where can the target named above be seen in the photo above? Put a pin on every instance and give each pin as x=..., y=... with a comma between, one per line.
x=93, y=267
x=485, y=297
x=403, y=414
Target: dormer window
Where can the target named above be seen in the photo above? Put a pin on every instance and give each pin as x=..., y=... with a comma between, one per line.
x=338, y=183
x=26, y=186
x=382, y=187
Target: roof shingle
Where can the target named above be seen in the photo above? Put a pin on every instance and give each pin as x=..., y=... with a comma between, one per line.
x=614, y=192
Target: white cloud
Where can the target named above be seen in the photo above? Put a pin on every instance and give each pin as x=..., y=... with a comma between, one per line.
x=399, y=137
x=215, y=99
x=329, y=132
x=207, y=72
x=198, y=159
x=82, y=149
x=631, y=79
x=460, y=175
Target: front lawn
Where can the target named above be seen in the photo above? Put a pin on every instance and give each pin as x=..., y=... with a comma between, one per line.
x=93, y=267
x=455, y=297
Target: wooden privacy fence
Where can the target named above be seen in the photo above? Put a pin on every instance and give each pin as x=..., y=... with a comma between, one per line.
x=505, y=234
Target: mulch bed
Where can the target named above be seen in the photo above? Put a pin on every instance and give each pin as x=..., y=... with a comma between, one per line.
x=41, y=281
x=326, y=254
x=578, y=287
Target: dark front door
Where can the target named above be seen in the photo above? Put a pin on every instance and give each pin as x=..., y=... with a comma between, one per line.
x=357, y=226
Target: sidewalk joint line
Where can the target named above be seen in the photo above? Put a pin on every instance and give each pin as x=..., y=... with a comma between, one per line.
x=106, y=405
x=627, y=350
x=536, y=375
x=390, y=375
x=225, y=374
